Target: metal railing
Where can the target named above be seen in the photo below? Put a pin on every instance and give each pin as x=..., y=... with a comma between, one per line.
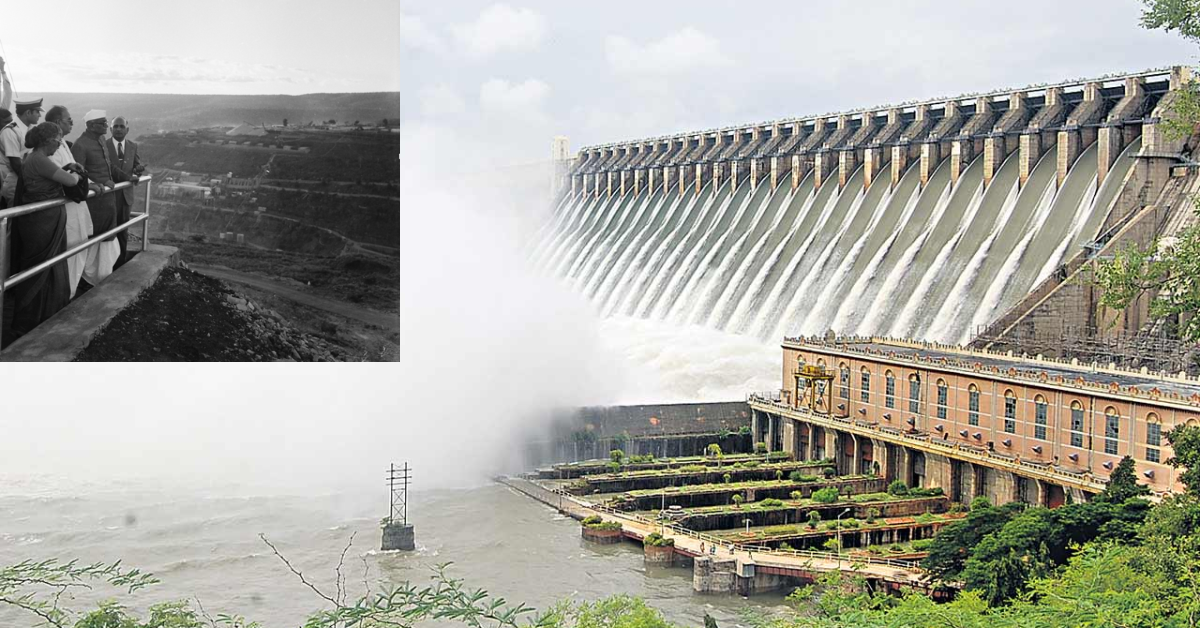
x=1038, y=471
x=7, y=215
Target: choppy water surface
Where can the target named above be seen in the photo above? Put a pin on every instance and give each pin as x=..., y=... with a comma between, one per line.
x=203, y=542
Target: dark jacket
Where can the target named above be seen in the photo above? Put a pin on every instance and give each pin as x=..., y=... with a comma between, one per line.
x=131, y=162
x=101, y=166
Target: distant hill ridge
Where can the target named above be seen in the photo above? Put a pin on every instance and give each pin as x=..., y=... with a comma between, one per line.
x=150, y=113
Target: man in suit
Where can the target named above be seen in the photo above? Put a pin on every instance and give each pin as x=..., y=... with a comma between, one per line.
x=91, y=152
x=127, y=161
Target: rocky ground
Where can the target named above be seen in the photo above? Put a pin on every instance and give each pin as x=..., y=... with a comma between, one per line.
x=186, y=316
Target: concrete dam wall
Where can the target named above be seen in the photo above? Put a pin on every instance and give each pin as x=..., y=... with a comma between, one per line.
x=928, y=220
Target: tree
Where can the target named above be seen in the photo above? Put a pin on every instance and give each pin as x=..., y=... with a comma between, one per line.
x=737, y=500
x=713, y=450
x=1122, y=483
x=1166, y=270
x=826, y=495
x=814, y=518
x=1185, y=442
x=760, y=448
x=953, y=544
x=616, y=456
x=898, y=488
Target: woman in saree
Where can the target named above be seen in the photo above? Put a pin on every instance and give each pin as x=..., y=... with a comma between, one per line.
x=41, y=235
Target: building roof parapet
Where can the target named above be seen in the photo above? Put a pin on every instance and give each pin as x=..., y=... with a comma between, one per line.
x=999, y=94
x=1178, y=388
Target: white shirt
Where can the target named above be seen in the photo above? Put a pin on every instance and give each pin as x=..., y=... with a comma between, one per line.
x=14, y=147
x=120, y=146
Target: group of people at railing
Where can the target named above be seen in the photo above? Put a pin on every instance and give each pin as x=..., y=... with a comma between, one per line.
x=40, y=165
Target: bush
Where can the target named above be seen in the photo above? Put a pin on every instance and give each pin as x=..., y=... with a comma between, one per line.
x=760, y=448
x=829, y=472
x=896, y=549
x=797, y=476
x=921, y=545
x=614, y=467
x=727, y=478
x=830, y=544
x=738, y=499
x=814, y=518
x=926, y=518
x=898, y=488
x=750, y=464
x=957, y=507
x=655, y=539
x=797, y=495
x=693, y=468
x=850, y=523
x=591, y=520
x=785, y=546
x=981, y=502
x=713, y=449
x=872, y=514
x=826, y=495
x=616, y=455
x=771, y=502
x=925, y=492
x=744, y=430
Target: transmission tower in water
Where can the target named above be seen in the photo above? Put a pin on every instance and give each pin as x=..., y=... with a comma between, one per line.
x=397, y=532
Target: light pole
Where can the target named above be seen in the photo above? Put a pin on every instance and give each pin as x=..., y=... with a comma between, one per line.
x=838, y=523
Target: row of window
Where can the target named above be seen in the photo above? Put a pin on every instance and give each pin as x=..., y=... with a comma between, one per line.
x=1112, y=423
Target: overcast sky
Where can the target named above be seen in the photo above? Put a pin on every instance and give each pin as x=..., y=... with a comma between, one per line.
x=211, y=47
x=601, y=72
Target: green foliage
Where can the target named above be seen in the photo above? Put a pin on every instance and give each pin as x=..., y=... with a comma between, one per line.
x=1122, y=483
x=953, y=544
x=744, y=430
x=616, y=456
x=771, y=502
x=872, y=514
x=760, y=448
x=613, y=466
x=799, y=476
x=693, y=468
x=728, y=478
x=921, y=545
x=814, y=518
x=37, y=586
x=898, y=488
x=1185, y=442
x=619, y=611
x=981, y=502
x=826, y=495
x=925, y=492
x=779, y=475
x=829, y=472
x=796, y=495
x=738, y=499
x=655, y=539
x=830, y=544
x=713, y=450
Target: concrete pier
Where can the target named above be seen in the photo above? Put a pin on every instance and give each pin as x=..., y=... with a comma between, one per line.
x=397, y=536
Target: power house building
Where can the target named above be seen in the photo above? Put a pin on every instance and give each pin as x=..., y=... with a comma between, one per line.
x=973, y=423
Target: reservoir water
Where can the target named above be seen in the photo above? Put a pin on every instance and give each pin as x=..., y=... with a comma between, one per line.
x=202, y=542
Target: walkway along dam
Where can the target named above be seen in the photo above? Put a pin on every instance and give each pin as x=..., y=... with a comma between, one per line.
x=929, y=220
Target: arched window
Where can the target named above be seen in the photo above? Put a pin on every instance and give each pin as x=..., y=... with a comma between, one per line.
x=1010, y=412
x=1076, y=424
x=973, y=404
x=866, y=385
x=1112, y=430
x=889, y=389
x=943, y=392
x=914, y=393
x=1153, y=437
x=1040, y=417
x=844, y=380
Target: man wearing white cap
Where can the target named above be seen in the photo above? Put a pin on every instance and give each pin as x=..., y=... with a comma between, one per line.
x=12, y=143
x=91, y=152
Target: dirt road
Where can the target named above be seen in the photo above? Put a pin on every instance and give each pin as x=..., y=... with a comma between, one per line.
x=386, y=321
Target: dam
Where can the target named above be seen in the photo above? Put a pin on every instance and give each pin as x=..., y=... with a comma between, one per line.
x=930, y=220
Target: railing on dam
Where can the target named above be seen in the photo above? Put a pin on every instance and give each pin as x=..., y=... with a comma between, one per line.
x=7, y=215
x=924, y=442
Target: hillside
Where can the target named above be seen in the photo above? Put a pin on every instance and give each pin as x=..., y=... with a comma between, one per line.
x=149, y=113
